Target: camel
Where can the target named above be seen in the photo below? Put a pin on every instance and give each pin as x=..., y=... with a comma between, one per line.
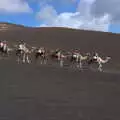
x=61, y=58
x=40, y=53
x=56, y=55
x=24, y=55
x=9, y=50
x=6, y=50
x=99, y=61
x=78, y=58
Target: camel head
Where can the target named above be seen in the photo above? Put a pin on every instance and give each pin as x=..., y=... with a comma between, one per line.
x=108, y=58
x=10, y=49
x=88, y=54
x=33, y=49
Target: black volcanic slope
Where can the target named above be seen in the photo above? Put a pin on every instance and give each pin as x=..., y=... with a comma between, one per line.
x=32, y=92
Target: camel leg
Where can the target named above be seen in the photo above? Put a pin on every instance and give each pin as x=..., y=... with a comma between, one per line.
x=80, y=64
x=59, y=57
x=41, y=60
x=36, y=58
x=27, y=58
x=44, y=60
x=100, y=67
x=18, y=59
x=61, y=63
x=24, y=58
x=7, y=53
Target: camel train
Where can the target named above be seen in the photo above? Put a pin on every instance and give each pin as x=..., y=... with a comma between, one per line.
x=23, y=52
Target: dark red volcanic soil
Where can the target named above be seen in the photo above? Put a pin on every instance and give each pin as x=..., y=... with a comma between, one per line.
x=32, y=92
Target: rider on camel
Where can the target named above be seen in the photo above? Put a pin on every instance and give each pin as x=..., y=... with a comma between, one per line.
x=5, y=43
x=76, y=52
x=1, y=44
x=95, y=56
x=21, y=45
x=41, y=50
x=57, y=50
